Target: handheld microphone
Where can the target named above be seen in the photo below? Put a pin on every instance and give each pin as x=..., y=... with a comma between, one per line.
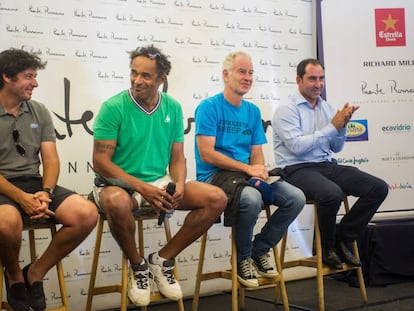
x=170, y=190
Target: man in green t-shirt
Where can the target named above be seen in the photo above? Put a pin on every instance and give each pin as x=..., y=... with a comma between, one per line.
x=139, y=140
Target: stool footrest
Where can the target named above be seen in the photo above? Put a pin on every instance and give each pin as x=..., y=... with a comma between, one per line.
x=226, y=274
x=61, y=308
x=311, y=262
x=106, y=289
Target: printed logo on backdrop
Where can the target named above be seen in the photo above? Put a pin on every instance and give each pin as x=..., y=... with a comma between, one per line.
x=390, y=27
x=396, y=128
x=357, y=130
x=400, y=186
x=398, y=157
x=353, y=160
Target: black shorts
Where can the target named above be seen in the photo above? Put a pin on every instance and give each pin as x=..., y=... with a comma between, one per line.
x=32, y=185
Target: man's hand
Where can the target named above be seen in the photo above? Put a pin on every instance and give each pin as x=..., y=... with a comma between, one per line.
x=258, y=171
x=158, y=198
x=36, y=205
x=342, y=117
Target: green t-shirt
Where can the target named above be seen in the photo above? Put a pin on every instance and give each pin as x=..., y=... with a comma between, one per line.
x=144, y=139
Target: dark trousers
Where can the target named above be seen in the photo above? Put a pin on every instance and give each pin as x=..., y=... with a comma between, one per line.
x=327, y=183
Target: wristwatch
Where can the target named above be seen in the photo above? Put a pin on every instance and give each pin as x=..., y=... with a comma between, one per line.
x=50, y=192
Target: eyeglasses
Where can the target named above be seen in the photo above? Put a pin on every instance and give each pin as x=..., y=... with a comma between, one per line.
x=20, y=149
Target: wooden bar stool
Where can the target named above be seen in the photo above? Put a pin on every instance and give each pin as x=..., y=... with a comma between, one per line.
x=231, y=274
x=31, y=226
x=122, y=287
x=316, y=261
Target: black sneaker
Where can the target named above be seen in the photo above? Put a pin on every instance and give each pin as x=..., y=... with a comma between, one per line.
x=16, y=295
x=37, y=299
x=264, y=267
x=246, y=273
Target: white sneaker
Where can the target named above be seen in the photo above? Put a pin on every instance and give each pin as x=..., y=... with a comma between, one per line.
x=139, y=291
x=164, y=278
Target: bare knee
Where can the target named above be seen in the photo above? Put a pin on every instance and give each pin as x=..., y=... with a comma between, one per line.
x=115, y=202
x=216, y=201
x=11, y=227
x=113, y=198
x=89, y=214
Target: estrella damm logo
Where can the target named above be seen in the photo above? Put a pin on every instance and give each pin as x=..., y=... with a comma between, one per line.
x=357, y=130
x=390, y=27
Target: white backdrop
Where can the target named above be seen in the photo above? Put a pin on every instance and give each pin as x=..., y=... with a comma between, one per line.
x=369, y=59
x=86, y=44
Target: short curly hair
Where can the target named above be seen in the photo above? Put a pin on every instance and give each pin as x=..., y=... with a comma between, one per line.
x=13, y=61
x=163, y=64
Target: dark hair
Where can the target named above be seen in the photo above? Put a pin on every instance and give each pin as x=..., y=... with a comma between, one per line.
x=13, y=61
x=163, y=64
x=301, y=68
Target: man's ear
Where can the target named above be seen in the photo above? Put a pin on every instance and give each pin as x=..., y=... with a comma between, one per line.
x=6, y=78
x=225, y=74
x=162, y=79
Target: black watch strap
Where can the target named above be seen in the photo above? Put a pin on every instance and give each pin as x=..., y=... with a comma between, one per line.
x=49, y=191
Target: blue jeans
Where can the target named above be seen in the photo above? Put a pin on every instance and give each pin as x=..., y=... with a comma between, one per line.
x=289, y=200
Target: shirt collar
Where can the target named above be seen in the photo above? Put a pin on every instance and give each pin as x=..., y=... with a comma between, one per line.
x=23, y=108
x=300, y=100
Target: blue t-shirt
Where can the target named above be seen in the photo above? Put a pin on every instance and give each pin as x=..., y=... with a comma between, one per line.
x=236, y=130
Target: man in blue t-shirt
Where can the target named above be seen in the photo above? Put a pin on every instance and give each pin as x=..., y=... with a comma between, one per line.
x=228, y=142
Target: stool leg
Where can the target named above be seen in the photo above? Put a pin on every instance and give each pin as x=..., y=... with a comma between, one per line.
x=32, y=245
x=197, y=286
x=61, y=277
x=282, y=262
x=281, y=289
x=319, y=266
x=124, y=283
x=167, y=230
x=94, y=267
x=2, y=304
x=141, y=246
x=234, y=280
x=360, y=275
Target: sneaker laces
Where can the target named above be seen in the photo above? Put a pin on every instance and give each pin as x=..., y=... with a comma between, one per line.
x=264, y=262
x=246, y=267
x=141, y=279
x=167, y=270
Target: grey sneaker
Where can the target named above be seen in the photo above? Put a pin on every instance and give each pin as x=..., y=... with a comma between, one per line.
x=164, y=278
x=139, y=291
x=264, y=267
x=246, y=273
